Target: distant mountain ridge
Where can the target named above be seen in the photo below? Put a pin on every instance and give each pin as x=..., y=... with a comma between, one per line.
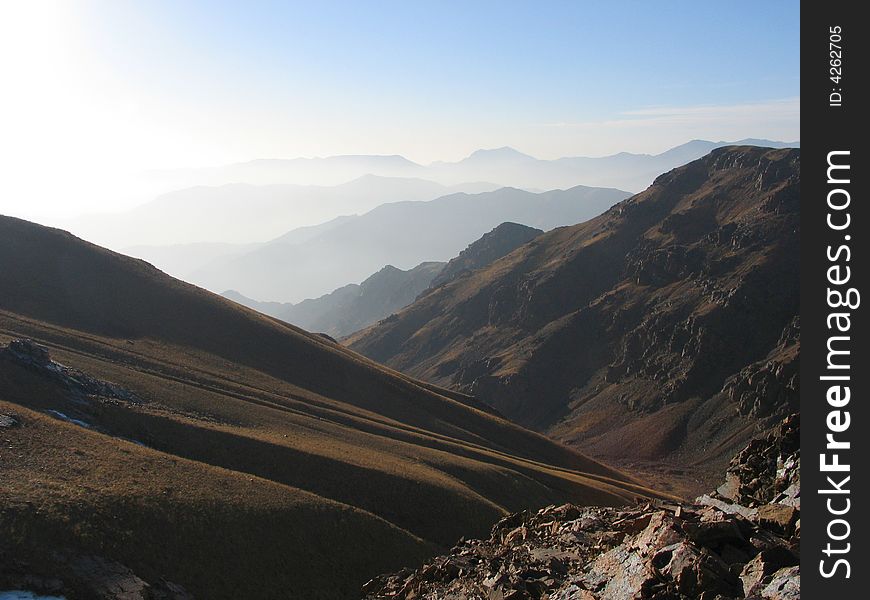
x=623, y=170
x=402, y=234
x=627, y=171
x=242, y=212
x=354, y=306
x=261, y=199
x=666, y=328
x=224, y=212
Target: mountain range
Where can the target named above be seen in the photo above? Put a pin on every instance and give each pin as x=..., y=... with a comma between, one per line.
x=262, y=199
x=353, y=307
x=504, y=166
x=663, y=332
x=159, y=438
x=243, y=213
x=161, y=441
x=402, y=234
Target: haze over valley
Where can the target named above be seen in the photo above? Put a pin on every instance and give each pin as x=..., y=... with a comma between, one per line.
x=399, y=300
x=276, y=241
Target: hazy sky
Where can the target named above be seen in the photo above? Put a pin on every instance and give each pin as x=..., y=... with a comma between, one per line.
x=93, y=91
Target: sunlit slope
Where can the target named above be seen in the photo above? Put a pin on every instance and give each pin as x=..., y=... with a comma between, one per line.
x=264, y=422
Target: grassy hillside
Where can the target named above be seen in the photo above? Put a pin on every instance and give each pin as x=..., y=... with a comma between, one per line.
x=257, y=460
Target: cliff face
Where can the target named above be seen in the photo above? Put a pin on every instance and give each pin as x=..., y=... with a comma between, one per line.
x=665, y=328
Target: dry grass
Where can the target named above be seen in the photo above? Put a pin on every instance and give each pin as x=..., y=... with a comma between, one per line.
x=277, y=464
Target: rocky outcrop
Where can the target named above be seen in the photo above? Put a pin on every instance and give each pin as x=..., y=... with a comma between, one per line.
x=67, y=394
x=80, y=386
x=767, y=470
x=740, y=542
x=771, y=385
x=9, y=420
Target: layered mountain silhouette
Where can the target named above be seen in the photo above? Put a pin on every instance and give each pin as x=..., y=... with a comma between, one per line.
x=242, y=213
x=666, y=328
x=320, y=171
x=184, y=260
x=259, y=200
x=137, y=409
x=625, y=170
x=402, y=234
x=354, y=306
x=503, y=166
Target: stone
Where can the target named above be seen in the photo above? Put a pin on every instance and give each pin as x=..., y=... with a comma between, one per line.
x=714, y=533
x=573, y=592
x=619, y=574
x=726, y=507
x=695, y=570
x=7, y=421
x=785, y=585
x=715, y=549
x=731, y=488
x=759, y=569
x=779, y=517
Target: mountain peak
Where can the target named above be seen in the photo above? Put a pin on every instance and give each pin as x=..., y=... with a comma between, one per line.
x=502, y=240
x=501, y=154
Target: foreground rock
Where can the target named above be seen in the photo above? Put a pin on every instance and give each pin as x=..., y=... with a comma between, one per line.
x=740, y=542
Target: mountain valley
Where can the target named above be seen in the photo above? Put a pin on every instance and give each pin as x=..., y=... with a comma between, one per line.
x=661, y=335
x=135, y=406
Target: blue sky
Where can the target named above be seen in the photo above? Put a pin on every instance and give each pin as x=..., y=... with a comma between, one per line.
x=535, y=62
x=138, y=85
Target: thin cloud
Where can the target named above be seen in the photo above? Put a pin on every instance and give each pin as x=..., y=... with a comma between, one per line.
x=670, y=116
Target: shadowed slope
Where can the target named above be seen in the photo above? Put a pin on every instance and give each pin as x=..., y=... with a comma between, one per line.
x=239, y=399
x=663, y=328
x=354, y=306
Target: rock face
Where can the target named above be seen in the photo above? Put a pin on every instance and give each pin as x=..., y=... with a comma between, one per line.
x=666, y=328
x=767, y=470
x=502, y=240
x=713, y=548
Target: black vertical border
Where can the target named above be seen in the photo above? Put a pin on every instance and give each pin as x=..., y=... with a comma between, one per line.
x=826, y=128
